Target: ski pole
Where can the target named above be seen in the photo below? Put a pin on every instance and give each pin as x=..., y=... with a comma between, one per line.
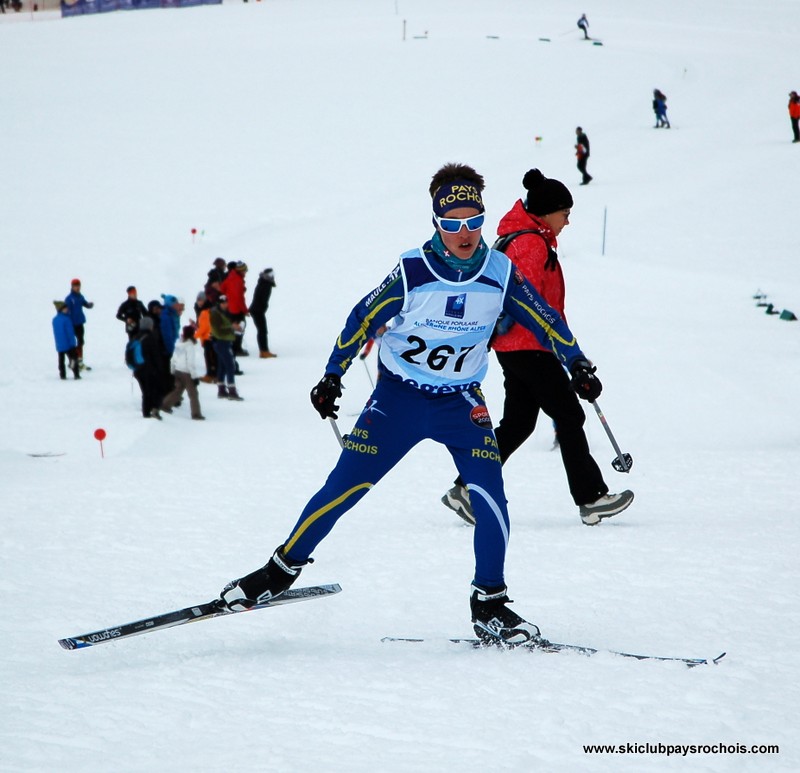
x=371, y=382
x=623, y=462
x=336, y=430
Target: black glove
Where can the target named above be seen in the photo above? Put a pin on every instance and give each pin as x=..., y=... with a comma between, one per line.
x=584, y=382
x=196, y=381
x=325, y=394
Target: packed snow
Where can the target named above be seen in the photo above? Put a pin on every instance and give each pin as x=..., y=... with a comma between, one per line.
x=302, y=136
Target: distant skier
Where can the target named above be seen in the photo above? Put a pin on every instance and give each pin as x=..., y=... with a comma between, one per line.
x=583, y=24
x=582, y=152
x=794, y=114
x=660, y=108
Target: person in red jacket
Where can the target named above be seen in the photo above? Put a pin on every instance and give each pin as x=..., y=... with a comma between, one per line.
x=233, y=288
x=794, y=114
x=534, y=379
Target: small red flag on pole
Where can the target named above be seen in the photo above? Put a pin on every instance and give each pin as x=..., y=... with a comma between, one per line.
x=100, y=436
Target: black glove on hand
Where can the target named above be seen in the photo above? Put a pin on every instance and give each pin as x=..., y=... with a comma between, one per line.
x=584, y=382
x=325, y=394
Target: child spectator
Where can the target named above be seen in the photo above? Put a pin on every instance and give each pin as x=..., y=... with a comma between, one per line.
x=186, y=373
x=66, y=342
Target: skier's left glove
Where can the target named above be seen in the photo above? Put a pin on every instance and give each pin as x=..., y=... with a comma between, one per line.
x=325, y=394
x=584, y=382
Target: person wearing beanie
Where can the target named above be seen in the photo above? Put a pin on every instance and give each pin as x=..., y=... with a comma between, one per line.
x=258, y=311
x=186, y=373
x=582, y=154
x=223, y=333
x=534, y=379
x=233, y=286
x=215, y=278
x=442, y=300
x=66, y=342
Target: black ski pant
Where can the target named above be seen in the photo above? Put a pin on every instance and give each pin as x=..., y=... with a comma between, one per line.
x=795, y=129
x=534, y=382
x=260, y=321
x=582, y=169
x=150, y=384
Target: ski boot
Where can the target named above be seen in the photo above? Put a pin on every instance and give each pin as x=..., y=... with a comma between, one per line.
x=262, y=585
x=494, y=623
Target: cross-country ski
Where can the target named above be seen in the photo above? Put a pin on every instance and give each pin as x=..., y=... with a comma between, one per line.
x=191, y=614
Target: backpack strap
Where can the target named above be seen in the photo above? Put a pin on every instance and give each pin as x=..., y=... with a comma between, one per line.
x=502, y=242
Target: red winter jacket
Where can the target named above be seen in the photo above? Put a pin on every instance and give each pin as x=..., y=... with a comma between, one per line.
x=529, y=253
x=233, y=287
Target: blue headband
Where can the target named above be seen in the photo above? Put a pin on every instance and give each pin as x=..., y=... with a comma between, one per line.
x=459, y=193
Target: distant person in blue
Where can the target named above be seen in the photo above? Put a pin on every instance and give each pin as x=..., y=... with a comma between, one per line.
x=76, y=303
x=583, y=24
x=443, y=299
x=170, y=323
x=66, y=342
x=660, y=109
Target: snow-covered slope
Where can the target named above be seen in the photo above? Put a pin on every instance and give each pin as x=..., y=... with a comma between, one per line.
x=302, y=136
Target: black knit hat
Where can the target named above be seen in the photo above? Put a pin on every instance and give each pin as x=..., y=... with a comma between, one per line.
x=545, y=195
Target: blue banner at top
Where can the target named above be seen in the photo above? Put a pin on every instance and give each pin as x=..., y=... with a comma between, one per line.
x=80, y=7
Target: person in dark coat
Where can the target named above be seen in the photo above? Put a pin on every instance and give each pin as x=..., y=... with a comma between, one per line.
x=131, y=310
x=660, y=108
x=215, y=278
x=66, y=342
x=258, y=310
x=147, y=372
x=583, y=24
x=582, y=152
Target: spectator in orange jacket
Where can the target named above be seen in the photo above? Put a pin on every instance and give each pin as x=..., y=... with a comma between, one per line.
x=233, y=288
x=203, y=335
x=794, y=114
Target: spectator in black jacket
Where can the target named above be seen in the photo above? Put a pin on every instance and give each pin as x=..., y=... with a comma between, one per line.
x=258, y=310
x=147, y=373
x=131, y=310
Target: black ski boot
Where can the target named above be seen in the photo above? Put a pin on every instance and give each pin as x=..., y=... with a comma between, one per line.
x=262, y=585
x=494, y=622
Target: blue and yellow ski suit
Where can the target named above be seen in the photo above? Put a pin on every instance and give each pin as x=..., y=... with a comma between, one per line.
x=432, y=360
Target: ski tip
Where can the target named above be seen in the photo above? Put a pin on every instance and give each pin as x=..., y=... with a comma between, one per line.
x=718, y=658
x=69, y=644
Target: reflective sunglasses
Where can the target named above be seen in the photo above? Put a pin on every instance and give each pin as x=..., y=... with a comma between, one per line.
x=453, y=225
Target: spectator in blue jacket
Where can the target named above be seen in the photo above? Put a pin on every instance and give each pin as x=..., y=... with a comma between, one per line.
x=76, y=303
x=66, y=342
x=171, y=321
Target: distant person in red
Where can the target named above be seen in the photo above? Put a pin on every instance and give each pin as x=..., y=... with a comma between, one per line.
x=794, y=114
x=233, y=288
x=582, y=152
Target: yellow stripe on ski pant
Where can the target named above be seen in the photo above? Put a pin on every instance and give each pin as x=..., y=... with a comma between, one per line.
x=322, y=511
